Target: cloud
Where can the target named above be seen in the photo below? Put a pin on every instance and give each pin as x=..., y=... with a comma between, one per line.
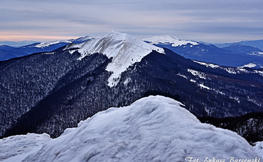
x=182, y=18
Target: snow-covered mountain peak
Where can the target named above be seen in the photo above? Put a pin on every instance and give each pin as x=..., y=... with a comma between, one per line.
x=117, y=35
x=46, y=44
x=166, y=39
x=162, y=39
x=124, y=50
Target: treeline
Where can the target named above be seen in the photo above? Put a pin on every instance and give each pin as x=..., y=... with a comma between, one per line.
x=249, y=126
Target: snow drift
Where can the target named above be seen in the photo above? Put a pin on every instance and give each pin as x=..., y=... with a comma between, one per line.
x=154, y=128
x=259, y=148
x=16, y=148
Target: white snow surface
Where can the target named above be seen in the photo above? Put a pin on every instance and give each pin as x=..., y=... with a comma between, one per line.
x=203, y=86
x=124, y=50
x=207, y=64
x=153, y=128
x=232, y=70
x=197, y=73
x=46, y=44
x=165, y=39
x=257, y=53
x=16, y=148
x=181, y=75
x=259, y=148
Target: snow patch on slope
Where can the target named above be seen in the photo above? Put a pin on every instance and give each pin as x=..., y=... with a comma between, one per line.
x=166, y=39
x=181, y=75
x=250, y=65
x=124, y=50
x=230, y=70
x=259, y=72
x=207, y=64
x=154, y=128
x=203, y=86
x=197, y=73
x=257, y=53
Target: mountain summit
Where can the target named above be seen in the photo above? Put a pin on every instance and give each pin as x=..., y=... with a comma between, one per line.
x=123, y=49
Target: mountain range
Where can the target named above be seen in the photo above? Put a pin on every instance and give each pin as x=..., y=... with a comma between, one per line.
x=8, y=52
x=236, y=54
x=228, y=54
x=252, y=43
x=51, y=91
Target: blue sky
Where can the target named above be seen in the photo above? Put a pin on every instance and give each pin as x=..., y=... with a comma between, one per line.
x=202, y=20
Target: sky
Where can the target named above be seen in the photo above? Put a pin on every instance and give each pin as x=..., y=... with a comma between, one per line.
x=203, y=20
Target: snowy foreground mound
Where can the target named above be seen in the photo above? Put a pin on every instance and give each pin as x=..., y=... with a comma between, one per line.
x=154, y=128
x=16, y=148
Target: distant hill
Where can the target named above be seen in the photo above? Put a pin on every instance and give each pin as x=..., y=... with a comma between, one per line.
x=253, y=43
x=8, y=52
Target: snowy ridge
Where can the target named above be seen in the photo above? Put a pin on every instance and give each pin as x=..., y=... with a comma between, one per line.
x=166, y=39
x=81, y=39
x=124, y=50
x=46, y=44
x=153, y=128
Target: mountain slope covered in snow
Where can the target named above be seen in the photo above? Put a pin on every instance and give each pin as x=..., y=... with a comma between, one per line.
x=154, y=128
x=124, y=50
